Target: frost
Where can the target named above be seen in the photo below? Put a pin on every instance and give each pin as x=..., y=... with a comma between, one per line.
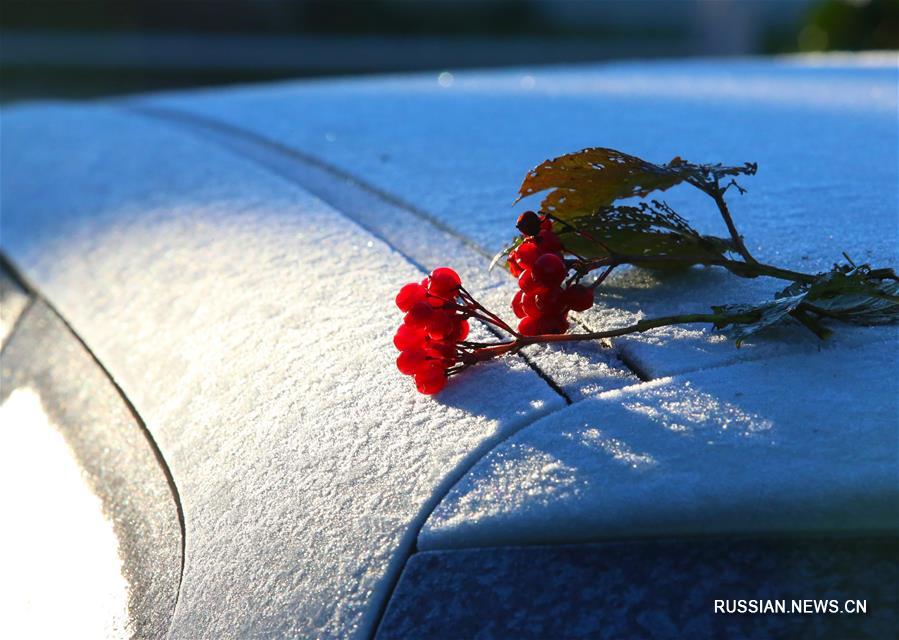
x=803, y=211
x=221, y=299
x=734, y=450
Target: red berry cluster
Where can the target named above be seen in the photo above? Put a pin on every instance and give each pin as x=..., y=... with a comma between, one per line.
x=542, y=303
x=432, y=329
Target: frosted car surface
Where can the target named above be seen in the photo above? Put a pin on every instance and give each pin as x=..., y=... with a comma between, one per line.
x=230, y=258
x=823, y=130
x=250, y=325
x=729, y=451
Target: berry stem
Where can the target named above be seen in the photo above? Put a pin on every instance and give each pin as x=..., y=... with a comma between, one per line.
x=642, y=325
x=602, y=277
x=492, y=318
x=513, y=346
x=737, y=267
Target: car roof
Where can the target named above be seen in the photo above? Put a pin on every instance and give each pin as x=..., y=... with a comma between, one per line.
x=250, y=325
x=230, y=257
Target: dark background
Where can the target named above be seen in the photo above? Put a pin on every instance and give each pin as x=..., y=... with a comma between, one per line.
x=92, y=48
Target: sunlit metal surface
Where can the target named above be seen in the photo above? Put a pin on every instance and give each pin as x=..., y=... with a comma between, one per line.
x=91, y=542
x=61, y=563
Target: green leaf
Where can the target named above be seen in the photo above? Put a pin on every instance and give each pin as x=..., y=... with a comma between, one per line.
x=644, y=230
x=852, y=294
x=504, y=253
x=856, y=295
x=586, y=181
x=744, y=320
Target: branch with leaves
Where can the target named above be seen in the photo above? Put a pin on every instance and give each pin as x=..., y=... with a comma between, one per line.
x=581, y=230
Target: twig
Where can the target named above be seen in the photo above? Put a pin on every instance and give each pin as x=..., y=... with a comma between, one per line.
x=718, y=196
x=742, y=269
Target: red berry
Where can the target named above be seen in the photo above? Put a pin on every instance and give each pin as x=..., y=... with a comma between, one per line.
x=546, y=224
x=440, y=324
x=550, y=301
x=408, y=337
x=443, y=353
x=436, y=302
x=409, y=295
x=528, y=223
x=517, y=300
x=411, y=361
x=549, y=242
x=549, y=270
x=419, y=314
x=527, y=253
x=526, y=281
x=444, y=282
x=529, y=304
x=579, y=297
x=529, y=326
x=430, y=379
x=461, y=330
x=514, y=266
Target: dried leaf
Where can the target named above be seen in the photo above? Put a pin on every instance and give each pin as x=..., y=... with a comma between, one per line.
x=646, y=230
x=587, y=180
x=591, y=179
